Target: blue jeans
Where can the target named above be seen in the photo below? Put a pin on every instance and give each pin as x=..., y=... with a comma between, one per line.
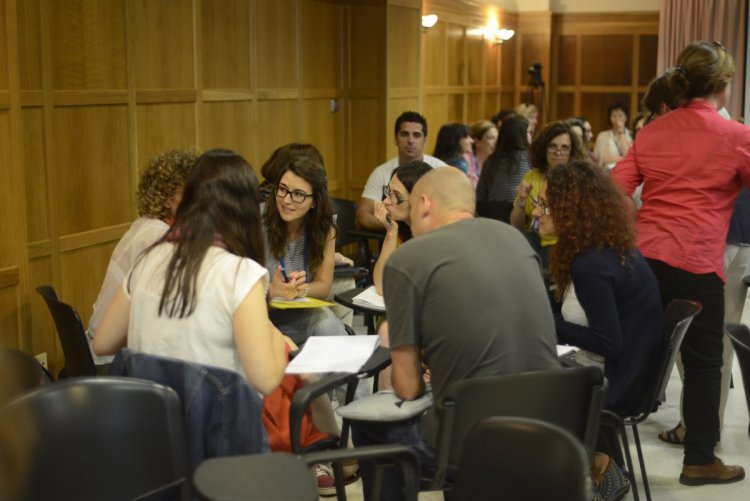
x=407, y=432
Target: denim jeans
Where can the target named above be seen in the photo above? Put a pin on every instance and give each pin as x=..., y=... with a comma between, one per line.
x=407, y=432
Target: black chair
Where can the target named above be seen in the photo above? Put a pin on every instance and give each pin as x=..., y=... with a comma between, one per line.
x=93, y=439
x=283, y=476
x=72, y=336
x=348, y=233
x=19, y=373
x=740, y=336
x=495, y=209
x=514, y=459
x=677, y=318
x=569, y=398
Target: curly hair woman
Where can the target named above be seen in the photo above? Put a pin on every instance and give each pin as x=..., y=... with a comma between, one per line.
x=300, y=247
x=607, y=298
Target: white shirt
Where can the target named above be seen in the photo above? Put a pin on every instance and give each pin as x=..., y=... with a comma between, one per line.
x=381, y=176
x=144, y=232
x=206, y=336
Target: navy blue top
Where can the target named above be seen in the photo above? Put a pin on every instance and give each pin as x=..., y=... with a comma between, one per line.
x=623, y=306
x=739, y=225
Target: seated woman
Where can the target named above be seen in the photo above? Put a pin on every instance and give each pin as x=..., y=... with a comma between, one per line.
x=484, y=135
x=198, y=293
x=279, y=158
x=393, y=212
x=607, y=298
x=504, y=170
x=300, y=240
x=555, y=145
x=452, y=144
x=612, y=145
x=159, y=193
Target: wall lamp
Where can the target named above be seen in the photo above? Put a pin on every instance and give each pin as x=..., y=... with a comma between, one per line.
x=429, y=21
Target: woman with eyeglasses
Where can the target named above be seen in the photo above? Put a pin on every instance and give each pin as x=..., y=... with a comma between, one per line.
x=556, y=144
x=300, y=246
x=693, y=164
x=606, y=299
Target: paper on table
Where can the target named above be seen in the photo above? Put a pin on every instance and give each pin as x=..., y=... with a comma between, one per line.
x=562, y=349
x=300, y=302
x=369, y=297
x=333, y=354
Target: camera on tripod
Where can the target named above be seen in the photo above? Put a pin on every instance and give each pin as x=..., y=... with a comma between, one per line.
x=535, y=75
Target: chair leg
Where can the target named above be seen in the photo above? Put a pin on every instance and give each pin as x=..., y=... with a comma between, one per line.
x=338, y=478
x=642, y=464
x=623, y=432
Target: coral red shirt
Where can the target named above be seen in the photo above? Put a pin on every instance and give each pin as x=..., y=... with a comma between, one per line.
x=693, y=163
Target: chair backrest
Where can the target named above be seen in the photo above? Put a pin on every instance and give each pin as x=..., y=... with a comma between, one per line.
x=345, y=211
x=92, y=439
x=70, y=331
x=677, y=318
x=19, y=373
x=740, y=336
x=495, y=209
x=569, y=398
x=513, y=458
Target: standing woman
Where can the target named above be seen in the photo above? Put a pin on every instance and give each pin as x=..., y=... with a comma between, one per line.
x=506, y=167
x=693, y=163
x=300, y=247
x=613, y=144
x=198, y=293
x=484, y=135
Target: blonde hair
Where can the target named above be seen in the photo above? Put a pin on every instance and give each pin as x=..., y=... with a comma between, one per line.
x=479, y=129
x=525, y=110
x=165, y=174
x=703, y=68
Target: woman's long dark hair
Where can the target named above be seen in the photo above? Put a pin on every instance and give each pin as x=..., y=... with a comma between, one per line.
x=220, y=206
x=448, y=142
x=512, y=139
x=318, y=221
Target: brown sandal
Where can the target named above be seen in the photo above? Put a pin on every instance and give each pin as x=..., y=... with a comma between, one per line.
x=673, y=436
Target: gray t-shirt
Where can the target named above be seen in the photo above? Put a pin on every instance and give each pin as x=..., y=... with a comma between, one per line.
x=471, y=296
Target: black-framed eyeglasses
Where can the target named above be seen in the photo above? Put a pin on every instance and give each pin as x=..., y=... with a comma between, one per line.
x=297, y=196
x=541, y=204
x=553, y=148
x=395, y=196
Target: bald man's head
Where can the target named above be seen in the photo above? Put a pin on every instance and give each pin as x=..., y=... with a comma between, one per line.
x=440, y=197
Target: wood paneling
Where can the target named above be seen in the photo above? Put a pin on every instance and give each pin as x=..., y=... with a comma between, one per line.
x=9, y=199
x=88, y=44
x=455, y=49
x=225, y=44
x=606, y=59
x=323, y=128
x=403, y=46
x=276, y=117
x=36, y=175
x=647, y=51
x=91, y=162
x=492, y=64
x=566, y=61
x=3, y=50
x=508, y=61
x=596, y=108
x=82, y=275
x=230, y=125
x=42, y=328
x=475, y=59
x=320, y=43
x=276, y=43
x=367, y=46
x=29, y=45
x=475, y=107
x=565, y=105
x=366, y=138
x=435, y=60
x=163, y=33
x=455, y=110
x=9, y=331
x=162, y=127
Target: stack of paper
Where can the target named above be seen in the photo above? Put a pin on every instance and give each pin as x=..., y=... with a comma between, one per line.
x=370, y=298
x=333, y=354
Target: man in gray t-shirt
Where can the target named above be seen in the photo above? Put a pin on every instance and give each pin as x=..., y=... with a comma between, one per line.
x=466, y=298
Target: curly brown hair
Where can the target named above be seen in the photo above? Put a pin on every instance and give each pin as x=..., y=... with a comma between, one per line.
x=165, y=174
x=588, y=211
x=551, y=131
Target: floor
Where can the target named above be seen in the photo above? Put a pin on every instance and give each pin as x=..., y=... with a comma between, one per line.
x=663, y=461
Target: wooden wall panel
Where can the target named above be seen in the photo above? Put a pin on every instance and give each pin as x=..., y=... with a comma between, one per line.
x=596, y=107
x=91, y=164
x=88, y=44
x=491, y=104
x=276, y=44
x=603, y=56
x=36, y=175
x=278, y=125
x=534, y=48
x=476, y=56
x=475, y=108
x=42, y=328
x=320, y=44
x=323, y=128
x=366, y=136
x=162, y=127
x=435, y=111
x=225, y=44
x=3, y=49
x=163, y=34
x=434, y=58
x=507, y=100
x=83, y=272
x=230, y=125
x=455, y=110
x=508, y=61
x=492, y=64
x=566, y=62
x=565, y=105
x=8, y=197
x=455, y=38
x=647, y=51
x=29, y=44
x=9, y=317
x=403, y=47
x=367, y=46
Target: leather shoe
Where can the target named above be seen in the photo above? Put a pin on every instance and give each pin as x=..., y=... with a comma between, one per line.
x=712, y=473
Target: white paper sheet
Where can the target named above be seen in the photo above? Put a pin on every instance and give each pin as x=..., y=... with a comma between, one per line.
x=333, y=354
x=369, y=297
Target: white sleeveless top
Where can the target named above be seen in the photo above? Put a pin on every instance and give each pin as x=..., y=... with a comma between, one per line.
x=205, y=336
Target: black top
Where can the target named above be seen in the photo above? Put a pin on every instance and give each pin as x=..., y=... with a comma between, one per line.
x=623, y=306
